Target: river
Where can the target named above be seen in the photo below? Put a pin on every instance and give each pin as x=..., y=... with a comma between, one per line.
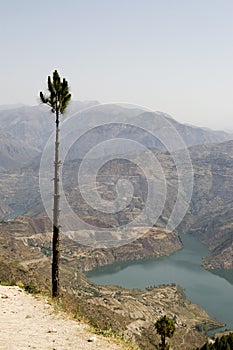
x=211, y=291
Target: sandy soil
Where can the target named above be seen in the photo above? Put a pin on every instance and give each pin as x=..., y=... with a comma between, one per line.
x=28, y=323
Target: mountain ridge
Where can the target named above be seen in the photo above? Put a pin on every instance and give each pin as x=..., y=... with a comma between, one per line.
x=33, y=125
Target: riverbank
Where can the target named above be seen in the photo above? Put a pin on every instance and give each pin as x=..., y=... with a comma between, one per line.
x=184, y=267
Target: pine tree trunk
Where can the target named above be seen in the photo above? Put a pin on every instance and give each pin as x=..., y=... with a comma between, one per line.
x=56, y=227
x=163, y=338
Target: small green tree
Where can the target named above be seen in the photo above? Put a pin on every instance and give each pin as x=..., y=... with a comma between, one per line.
x=165, y=327
x=58, y=99
x=223, y=343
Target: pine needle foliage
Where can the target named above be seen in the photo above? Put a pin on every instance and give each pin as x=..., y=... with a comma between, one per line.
x=59, y=95
x=165, y=327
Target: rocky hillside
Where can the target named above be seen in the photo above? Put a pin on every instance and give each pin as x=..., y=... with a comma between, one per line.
x=32, y=124
x=210, y=212
x=15, y=153
x=25, y=259
x=211, y=208
x=35, y=233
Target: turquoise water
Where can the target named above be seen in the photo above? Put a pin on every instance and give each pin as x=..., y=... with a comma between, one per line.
x=212, y=291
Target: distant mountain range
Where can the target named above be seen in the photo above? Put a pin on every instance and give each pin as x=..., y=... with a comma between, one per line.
x=14, y=153
x=24, y=131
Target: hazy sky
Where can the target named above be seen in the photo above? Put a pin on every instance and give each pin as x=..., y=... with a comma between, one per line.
x=174, y=56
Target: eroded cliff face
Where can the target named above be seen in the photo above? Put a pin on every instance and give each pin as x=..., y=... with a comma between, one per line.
x=34, y=233
x=155, y=243
x=211, y=209
x=221, y=257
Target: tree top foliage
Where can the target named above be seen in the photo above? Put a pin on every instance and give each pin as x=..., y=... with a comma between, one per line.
x=58, y=96
x=165, y=326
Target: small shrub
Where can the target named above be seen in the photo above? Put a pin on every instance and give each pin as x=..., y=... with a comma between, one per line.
x=30, y=288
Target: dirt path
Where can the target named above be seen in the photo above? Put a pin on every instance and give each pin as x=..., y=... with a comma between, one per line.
x=28, y=323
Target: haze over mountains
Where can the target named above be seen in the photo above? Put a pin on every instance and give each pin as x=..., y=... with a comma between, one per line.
x=25, y=131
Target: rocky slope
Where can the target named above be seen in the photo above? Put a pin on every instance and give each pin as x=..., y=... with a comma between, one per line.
x=33, y=124
x=155, y=243
x=211, y=208
x=210, y=212
x=35, y=234
x=25, y=259
x=14, y=153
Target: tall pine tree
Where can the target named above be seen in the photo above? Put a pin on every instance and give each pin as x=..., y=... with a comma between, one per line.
x=58, y=98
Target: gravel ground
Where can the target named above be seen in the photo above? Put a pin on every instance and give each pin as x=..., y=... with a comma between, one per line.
x=28, y=323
